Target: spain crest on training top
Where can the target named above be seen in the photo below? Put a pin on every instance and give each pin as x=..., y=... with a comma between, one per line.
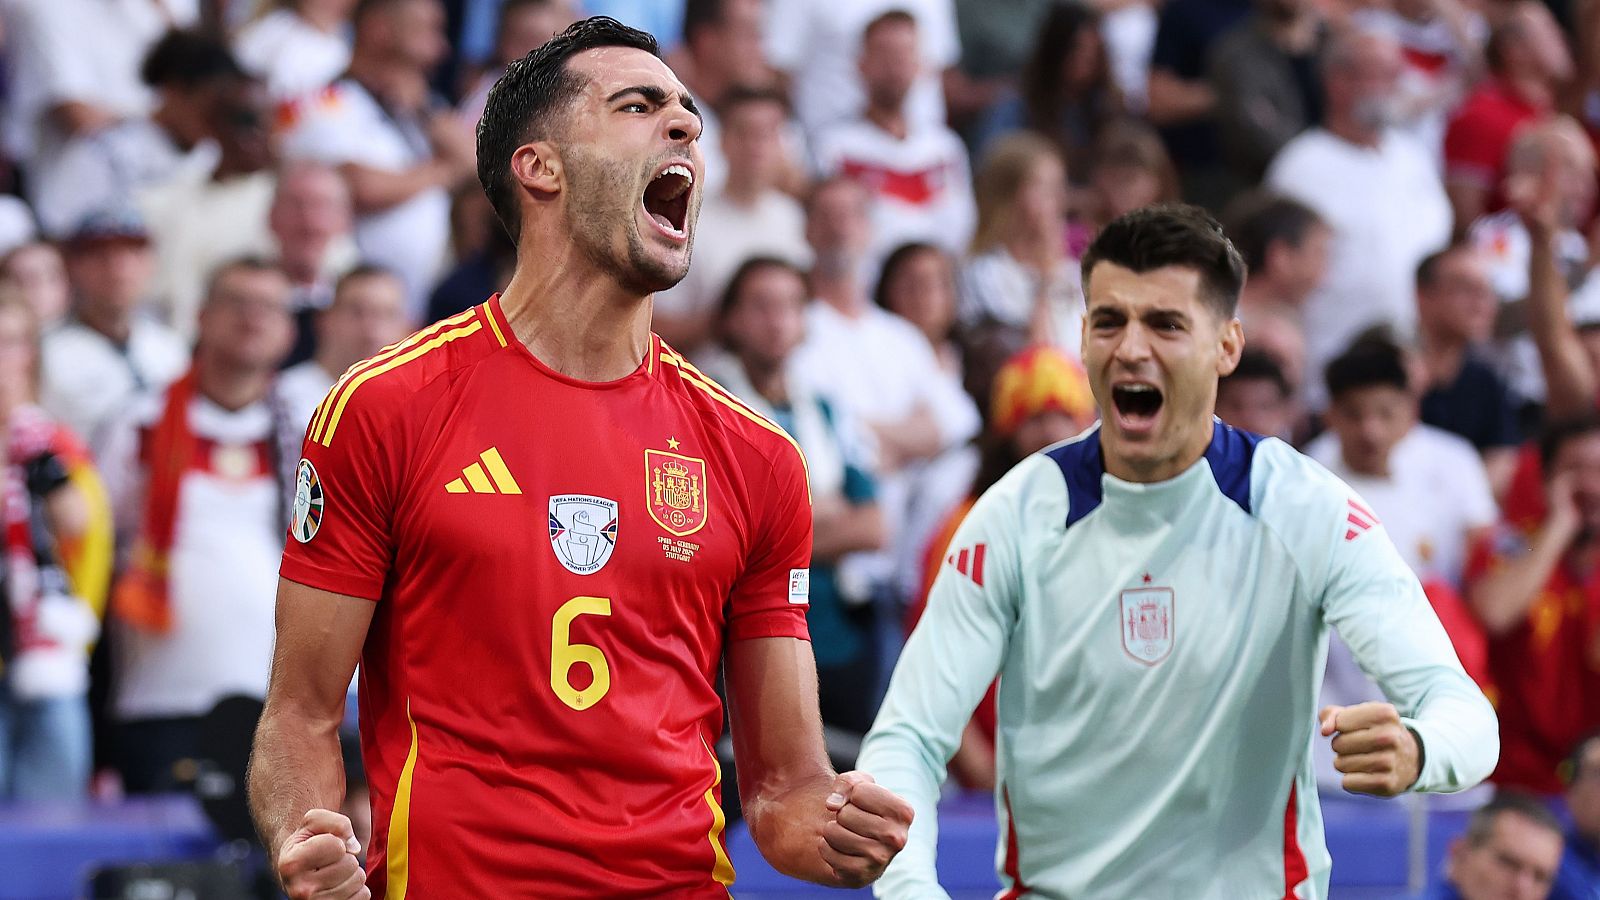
x=675, y=491
x=1147, y=623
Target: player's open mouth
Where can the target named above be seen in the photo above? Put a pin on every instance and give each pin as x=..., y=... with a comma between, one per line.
x=666, y=199
x=1137, y=404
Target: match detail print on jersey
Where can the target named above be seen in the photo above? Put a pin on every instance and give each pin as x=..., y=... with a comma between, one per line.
x=583, y=531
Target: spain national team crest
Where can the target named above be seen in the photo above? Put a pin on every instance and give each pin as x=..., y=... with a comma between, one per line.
x=307, y=512
x=675, y=488
x=1147, y=624
x=583, y=531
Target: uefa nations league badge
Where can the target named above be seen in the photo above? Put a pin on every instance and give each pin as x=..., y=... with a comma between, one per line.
x=307, y=513
x=583, y=531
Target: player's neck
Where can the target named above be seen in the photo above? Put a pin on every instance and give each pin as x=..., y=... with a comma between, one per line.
x=1152, y=471
x=583, y=327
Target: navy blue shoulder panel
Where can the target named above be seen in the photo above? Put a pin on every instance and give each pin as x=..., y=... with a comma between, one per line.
x=1230, y=454
x=1081, y=466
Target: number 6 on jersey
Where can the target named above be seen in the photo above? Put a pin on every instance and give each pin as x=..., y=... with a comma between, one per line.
x=564, y=654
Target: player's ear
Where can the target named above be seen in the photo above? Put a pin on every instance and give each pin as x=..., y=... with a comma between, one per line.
x=1232, y=341
x=537, y=167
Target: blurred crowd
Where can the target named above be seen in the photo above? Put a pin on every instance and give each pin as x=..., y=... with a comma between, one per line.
x=214, y=207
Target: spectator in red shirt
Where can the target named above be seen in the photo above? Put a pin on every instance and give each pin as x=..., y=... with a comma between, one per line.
x=1537, y=592
x=1529, y=62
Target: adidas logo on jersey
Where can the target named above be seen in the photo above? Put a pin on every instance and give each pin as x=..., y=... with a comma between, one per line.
x=969, y=562
x=1359, y=521
x=487, y=476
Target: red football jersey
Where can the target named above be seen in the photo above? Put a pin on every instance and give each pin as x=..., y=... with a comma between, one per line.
x=557, y=565
x=1545, y=682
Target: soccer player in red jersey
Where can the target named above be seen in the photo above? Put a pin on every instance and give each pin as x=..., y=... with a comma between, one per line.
x=543, y=532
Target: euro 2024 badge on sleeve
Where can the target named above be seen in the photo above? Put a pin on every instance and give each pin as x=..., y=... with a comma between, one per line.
x=308, y=501
x=1147, y=622
x=583, y=531
x=675, y=488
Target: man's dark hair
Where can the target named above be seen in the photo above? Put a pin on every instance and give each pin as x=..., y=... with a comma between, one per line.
x=748, y=268
x=1258, y=365
x=1260, y=219
x=889, y=17
x=1172, y=234
x=891, y=267
x=1369, y=362
x=246, y=263
x=1428, y=269
x=1558, y=433
x=188, y=59
x=743, y=94
x=524, y=105
x=698, y=14
x=1481, y=825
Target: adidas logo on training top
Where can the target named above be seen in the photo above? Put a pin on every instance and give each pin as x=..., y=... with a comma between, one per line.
x=969, y=563
x=1359, y=521
x=487, y=476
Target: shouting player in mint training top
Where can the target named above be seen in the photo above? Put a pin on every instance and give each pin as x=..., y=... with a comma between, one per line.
x=543, y=532
x=1155, y=596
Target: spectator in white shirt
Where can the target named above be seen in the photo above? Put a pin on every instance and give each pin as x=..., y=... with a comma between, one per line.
x=398, y=147
x=111, y=350
x=748, y=216
x=368, y=313
x=722, y=52
x=311, y=222
x=187, y=71
x=1378, y=190
x=36, y=271
x=1285, y=244
x=298, y=47
x=917, y=173
x=1020, y=275
x=198, y=477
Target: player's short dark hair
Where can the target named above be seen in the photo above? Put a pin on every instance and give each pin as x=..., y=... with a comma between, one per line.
x=747, y=270
x=1259, y=219
x=746, y=95
x=1172, y=234
x=1481, y=825
x=1560, y=432
x=523, y=105
x=1258, y=365
x=1369, y=362
x=891, y=267
x=190, y=59
x=1428, y=269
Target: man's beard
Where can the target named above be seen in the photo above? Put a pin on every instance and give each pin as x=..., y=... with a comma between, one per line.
x=600, y=205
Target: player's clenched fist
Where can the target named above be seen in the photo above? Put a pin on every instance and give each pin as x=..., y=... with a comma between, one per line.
x=869, y=827
x=318, y=861
x=1376, y=752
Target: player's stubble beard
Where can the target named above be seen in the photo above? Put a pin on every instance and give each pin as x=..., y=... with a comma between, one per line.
x=605, y=197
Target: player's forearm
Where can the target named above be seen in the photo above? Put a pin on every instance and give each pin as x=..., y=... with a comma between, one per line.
x=901, y=760
x=786, y=822
x=295, y=766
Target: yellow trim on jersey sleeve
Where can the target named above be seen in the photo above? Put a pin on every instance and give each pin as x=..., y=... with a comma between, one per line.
x=722, y=869
x=395, y=363
x=692, y=376
x=396, y=854
x=320, y=419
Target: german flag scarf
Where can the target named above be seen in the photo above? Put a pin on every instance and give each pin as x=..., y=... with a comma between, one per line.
x=140, y=597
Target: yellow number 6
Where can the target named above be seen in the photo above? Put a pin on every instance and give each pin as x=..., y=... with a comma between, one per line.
x=564, y=654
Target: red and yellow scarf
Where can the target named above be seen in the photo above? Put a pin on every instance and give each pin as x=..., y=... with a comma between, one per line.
x=140, y=597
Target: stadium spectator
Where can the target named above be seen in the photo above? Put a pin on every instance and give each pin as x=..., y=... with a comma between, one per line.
x=36, y=271
x=918, y=284
x=311, y=222
x=880, y=370
x=1264, y=74
x=1066, y=92
x=73, y=68
x=917, y=173
x=1532, y=587
x=1285, y=246
x=197, y=224
x=399, y=149
x=1182, y=102
x=1529, y=65
x=817, y=46
x=1020, y=274
x=1510, y=851
x=477, y=276
x=366, y=314
x=1377, y=191
x=721, y=55
x=197, y=475
x=747, y=216
x=761, y=323
x=1441, y=43
x=111, y=350
x=522, y=25
x=186, y=71
x=1461, y=392
x=1579, y=876
x=1257, y=397
x=297, y=46
x=996, y=37
x=55, y=559
x=1129, y=169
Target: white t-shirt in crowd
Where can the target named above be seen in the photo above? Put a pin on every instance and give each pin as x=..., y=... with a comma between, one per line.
x=345, y=124
x=223, y=575
x=103, y=170
x=726, y=235
x=302, y=387
x=1433, y=79
x=293, y=56
x=1387, y=209
x=995, y=287
x=87, y=381
x=921, y=187
x=819, y=45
